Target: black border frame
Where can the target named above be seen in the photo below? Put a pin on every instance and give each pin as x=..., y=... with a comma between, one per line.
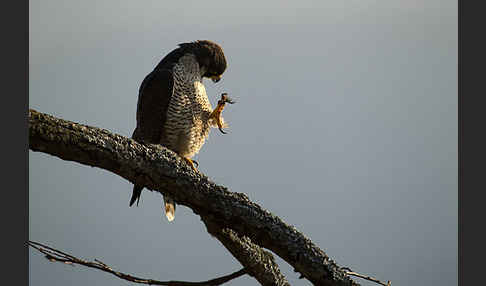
x=15, y=85
x=470, y=142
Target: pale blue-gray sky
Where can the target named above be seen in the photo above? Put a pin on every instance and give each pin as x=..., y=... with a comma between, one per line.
x=345, y=127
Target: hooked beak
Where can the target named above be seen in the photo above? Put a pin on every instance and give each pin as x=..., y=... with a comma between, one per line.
x=216, y=78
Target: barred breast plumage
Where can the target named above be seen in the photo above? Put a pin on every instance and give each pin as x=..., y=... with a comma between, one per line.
x=187, y=125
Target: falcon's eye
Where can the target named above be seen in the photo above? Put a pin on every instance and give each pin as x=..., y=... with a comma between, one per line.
x=215, y=78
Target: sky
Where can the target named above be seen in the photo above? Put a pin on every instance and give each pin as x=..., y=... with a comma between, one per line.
x=345, y=127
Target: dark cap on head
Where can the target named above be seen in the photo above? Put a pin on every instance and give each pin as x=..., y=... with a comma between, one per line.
x=209, y=55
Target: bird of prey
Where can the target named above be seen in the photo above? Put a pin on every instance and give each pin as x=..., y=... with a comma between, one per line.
x=173, y=109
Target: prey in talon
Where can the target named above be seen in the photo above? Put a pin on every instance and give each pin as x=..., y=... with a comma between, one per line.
x=216, y=114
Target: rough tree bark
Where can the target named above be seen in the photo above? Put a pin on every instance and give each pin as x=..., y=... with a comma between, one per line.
x=242, y=226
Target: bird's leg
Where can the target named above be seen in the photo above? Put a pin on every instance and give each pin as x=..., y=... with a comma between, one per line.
x=216, y=114
x=191, y=163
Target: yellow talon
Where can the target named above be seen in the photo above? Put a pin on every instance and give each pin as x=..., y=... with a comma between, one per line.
x=216, y=114
x=190, y=163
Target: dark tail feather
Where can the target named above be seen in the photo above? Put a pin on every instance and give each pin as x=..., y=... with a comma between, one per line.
x=137, y=191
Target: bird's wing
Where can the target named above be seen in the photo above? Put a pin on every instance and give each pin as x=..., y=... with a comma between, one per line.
x=153, y=101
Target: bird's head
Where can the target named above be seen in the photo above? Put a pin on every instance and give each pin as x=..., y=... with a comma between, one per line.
x=210, y=57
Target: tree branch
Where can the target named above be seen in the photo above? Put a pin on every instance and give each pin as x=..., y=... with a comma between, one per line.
x=259, y=263
x=366, y=277
x=158, y=168
x=55, y=255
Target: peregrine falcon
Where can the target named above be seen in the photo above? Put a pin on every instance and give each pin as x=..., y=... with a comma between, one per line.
x=173, y=109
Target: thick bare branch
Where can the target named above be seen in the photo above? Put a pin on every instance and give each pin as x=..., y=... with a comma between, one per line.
x=259, y=263
x=55, y=255
x=160, y=169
